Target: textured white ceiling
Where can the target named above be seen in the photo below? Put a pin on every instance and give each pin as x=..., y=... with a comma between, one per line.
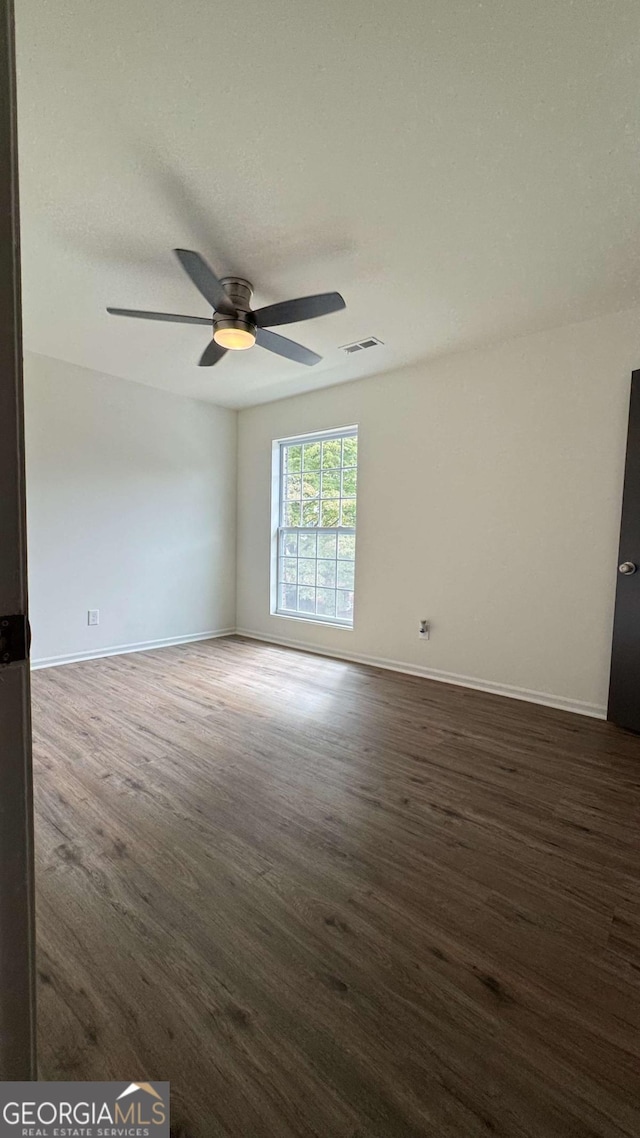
x=462, y=172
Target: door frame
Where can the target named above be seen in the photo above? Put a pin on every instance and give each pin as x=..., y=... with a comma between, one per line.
x=17, y=914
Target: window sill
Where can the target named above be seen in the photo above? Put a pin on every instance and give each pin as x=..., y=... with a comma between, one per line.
x=312, y=620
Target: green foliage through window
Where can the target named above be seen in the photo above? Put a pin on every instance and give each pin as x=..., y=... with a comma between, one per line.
x=317, y=541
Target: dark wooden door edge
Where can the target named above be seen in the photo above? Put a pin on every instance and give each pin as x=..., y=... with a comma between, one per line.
x=17, y=916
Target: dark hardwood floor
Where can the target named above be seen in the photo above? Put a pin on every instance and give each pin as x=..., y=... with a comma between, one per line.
x=328, y=900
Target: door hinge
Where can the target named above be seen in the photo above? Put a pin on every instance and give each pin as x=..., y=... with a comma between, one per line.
x=15, y=638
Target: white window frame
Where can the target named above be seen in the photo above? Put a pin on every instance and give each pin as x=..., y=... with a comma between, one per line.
x=279, y=530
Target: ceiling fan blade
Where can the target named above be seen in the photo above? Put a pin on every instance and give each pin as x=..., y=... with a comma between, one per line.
x=212, y=353
x=205, y=281
x=288, y=348
x=159, y=316
x=303, y=308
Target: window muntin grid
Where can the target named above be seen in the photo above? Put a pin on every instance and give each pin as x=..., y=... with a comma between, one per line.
x=316, y=532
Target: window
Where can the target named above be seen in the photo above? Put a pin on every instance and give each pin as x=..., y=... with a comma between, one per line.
x=316, y=519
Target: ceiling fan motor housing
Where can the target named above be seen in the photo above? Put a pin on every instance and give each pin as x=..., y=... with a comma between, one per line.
x=241, y=322
x=239, y=292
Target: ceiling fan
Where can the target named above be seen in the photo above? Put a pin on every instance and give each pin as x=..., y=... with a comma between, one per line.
x=235, y=325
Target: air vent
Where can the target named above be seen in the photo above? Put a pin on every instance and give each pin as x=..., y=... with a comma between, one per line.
x=360, y=345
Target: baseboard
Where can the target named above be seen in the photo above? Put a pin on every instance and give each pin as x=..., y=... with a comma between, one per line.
x=124, y=649
x=545, y=699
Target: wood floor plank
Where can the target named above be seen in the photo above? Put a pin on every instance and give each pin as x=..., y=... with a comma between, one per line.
x=328, y=900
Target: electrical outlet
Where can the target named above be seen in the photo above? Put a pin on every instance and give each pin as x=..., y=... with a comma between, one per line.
x=93, y=616
x=424, y=630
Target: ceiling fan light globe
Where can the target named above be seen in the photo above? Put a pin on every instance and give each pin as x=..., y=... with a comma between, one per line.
x=235, y=339
x=234, y=332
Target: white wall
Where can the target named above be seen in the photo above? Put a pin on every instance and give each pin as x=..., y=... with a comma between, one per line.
x=489, y=502
x=131, y=510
